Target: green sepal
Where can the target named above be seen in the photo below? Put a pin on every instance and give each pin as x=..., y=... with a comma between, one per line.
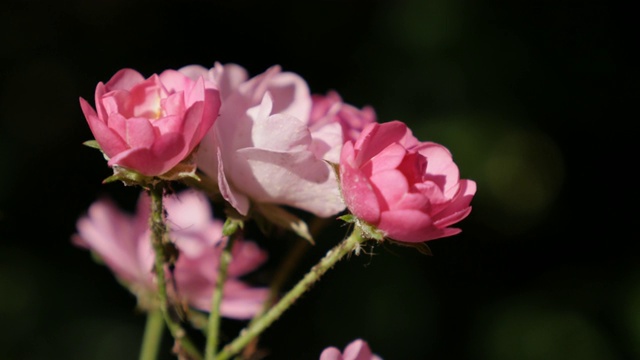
x=423, y=248
x=282, y=218
x=369, y=231
x=130, y=177
x=348, y=218
x=92, y=144
x=231, y=225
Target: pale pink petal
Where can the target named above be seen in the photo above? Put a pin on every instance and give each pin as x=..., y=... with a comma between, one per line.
x=229, y=77
x=331, y=353
x=195, y=71
x=291, y=95
x=237, y=199
x=246, y=257
x=357, y=350
x=296, y=179
x=292, y=134
x=327, y=142
x=112, y=236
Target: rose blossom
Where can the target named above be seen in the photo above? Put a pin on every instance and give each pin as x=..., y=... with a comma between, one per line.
x=123, y=242
x=261, y=148
x=410, y=190
x=328, y=111
x=151, y=125
x=356, y=350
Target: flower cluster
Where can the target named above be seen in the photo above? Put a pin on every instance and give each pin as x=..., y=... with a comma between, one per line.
x=263, y=147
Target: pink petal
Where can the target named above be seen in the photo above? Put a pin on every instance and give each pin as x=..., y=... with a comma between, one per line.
x=327, y=142
x=291, y=96
x=292, y=134
x=140, y=133
x=238, y=200
x=162, y=157
x=390, y=187
x=376, y=137
x=109, y=233
x=406, y=225
x=174, y=81
x=229, y=78
x=440, y=166
x=331, y=353
x=357, y=350
x=124, y=79
x=246, y=257
x=296, y=179
x=193, y=72
x=110, y=142
x=358, y=192
x=467, y=189
x=388, y=158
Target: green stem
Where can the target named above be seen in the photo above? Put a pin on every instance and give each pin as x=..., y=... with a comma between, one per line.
x=152, y=335
x=159, y=239
x=316, y=272
x=216, y=299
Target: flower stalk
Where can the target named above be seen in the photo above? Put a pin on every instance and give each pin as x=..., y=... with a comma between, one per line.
x=160, y=239
x=152, y=337
x=327, y=262
x=216, y=299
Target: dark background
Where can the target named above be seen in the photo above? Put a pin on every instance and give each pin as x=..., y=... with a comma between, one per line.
x=533, y=99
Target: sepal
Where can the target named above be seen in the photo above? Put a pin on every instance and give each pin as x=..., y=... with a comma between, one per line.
x=282, y=218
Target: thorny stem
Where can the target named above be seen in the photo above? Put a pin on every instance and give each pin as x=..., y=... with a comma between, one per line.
x=160, y=238
x=216, y=299
x=327, y=262
x=281, y=277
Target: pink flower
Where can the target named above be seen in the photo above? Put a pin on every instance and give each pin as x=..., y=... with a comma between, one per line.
x=330, y=109
x=261, y=148
x=123, y=242
x=151, y=125
x=409, y=190
x=356, y=350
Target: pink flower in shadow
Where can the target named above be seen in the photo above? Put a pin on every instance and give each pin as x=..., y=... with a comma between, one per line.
x=123, y=243
x=356, y=350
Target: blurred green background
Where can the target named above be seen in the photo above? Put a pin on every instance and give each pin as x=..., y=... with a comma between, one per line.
x=532, y=98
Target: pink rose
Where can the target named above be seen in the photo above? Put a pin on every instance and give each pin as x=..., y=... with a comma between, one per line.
x=123, y=242
x=409, y=190
x=356, y=350
x=261, y=148
x=151, y=125
x=330, y=109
